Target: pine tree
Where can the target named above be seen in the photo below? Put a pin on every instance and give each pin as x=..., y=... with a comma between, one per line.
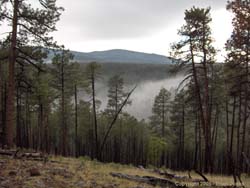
x=62, y=72
x=178, y=125
x=3, y=81
x=116, y=94
x=29, y=26
x=161, y=110
x=77, y=82
x=195, y=51
x=238, y=63
x=92, y=74
x=44, y=97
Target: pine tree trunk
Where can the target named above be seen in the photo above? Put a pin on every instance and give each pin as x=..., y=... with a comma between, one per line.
x=18, y=116
x=76, y=123
x=227, y=132
x=10, y=119
x=232, y=127
x=230, y=151
x=94, y=115
x=163, y=118
x=163, y=131
x=208, y=143
x=200, y=146
x=179, y=153
x=2, y=116
x=27, y=118
x=195, y=165
x=64, y=134
x=46, y=128
x=245, y=102
x=198, y=94
x=238, y=128
x=1, y=106
x=215, y=131
x=183, y=136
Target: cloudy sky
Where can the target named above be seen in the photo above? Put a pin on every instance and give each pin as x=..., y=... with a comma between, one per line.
x=140, y=25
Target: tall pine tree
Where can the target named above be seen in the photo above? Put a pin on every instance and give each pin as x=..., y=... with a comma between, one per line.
x=29, y=27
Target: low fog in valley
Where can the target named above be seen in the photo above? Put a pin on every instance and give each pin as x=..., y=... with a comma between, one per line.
x=143, y=96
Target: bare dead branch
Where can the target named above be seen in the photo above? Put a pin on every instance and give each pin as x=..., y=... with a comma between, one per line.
x=114, y=120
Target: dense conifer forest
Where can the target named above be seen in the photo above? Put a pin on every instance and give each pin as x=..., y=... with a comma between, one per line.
x=202, y=125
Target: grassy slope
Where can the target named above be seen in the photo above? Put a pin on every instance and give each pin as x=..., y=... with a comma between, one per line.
x=72, y=173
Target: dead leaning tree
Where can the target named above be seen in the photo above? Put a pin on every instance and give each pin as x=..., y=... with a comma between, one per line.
x=113, y=122
x=246, y=159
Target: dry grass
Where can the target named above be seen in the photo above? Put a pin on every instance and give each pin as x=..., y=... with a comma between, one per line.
x=222, y=180
x=65, y=173
x=81, y=173
x=228, y=180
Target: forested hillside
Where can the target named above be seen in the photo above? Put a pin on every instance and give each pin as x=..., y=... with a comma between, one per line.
x=135, y=73
x=117, y=56
x=201, y=122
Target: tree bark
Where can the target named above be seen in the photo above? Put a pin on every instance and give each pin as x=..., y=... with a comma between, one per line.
x=94, y=114
x=10, y=119
x=198, y=94
x=232, y=127
x=1, y=105
x=207, y=126
x=18, y=115
x=64, y=134
x=227, y=132
x=183, y=136
x=238, y=127
x=76, y=123
x=245, y=102
x=195, y=165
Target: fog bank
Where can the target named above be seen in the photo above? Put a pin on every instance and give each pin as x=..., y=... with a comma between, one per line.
x=143, y=96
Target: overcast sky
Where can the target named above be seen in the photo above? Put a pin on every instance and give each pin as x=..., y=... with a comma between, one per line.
x=140, y=25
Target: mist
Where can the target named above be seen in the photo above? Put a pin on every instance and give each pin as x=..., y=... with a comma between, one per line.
x=143, y=96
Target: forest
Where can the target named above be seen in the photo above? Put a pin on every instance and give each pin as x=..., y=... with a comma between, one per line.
x=203, y=125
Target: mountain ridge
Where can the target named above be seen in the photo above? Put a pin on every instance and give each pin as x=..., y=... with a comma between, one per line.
x=118, y=56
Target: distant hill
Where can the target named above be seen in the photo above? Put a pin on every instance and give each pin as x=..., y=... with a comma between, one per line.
x=119, y=56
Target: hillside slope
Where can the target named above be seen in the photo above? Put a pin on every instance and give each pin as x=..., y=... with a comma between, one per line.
x=118, y=56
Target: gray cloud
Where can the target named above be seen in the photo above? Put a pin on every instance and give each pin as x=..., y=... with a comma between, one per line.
x=119, y=19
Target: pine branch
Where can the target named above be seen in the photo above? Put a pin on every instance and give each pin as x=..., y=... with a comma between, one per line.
x=30, y=62
x=35, y=34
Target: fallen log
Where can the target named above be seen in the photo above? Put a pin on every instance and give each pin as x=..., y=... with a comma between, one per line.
x=17, y=154
x=149, y=180
x=202, y=183
x=178, y=177
x=32, y=155
x=8, y=152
